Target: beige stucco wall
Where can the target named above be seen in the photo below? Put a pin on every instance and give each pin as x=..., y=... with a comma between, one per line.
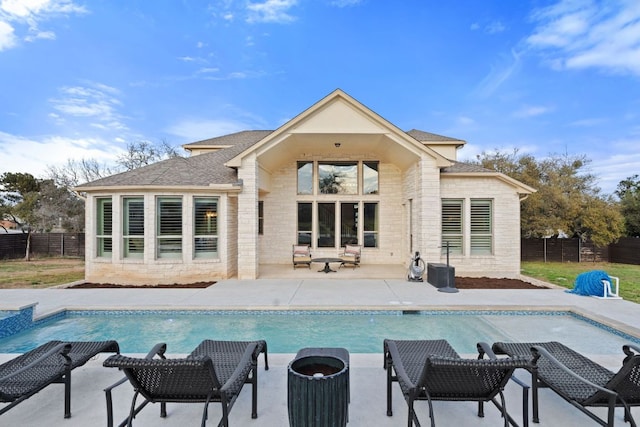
x=149, y=270
x=505, y=261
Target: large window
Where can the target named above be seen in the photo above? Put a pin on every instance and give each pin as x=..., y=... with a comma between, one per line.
x=348, y=224
x=452, y=226
x=305, y=177
x=369, y=177
x=371, y=225
x=338, y=178
x=326, y=225
x=481, y=229
x=304, y=223
x=169, y=227
x=205, y=223
x=104, y=227
x=133, y=227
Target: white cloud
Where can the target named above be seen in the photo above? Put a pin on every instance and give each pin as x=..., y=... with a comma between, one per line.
x=7, y=36
x=532, y=111
x=498, y=75
x=16, y=15
x=495, y=27
x=585, y=34
x=97, y=101
x=271, y=11
x=34, y=155
x=345, y=3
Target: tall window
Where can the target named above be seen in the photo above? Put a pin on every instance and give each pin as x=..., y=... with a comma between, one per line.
x=261, y=217
x=205, y=223
x=371, y=225
x=133, y=227
x=348, y=223
x=369, y=177
x=326, y=225
x=481, y=231
x=104, y=227
x=305, y=177
x=452, y=226
x=304, y=223
x=169, y=232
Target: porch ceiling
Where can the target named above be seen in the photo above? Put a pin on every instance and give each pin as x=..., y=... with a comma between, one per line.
x=370, y=146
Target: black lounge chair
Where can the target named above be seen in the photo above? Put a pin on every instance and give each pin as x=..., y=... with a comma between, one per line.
x=432, y=370
x=579, y=380
x=50, y=363
x=215, y=371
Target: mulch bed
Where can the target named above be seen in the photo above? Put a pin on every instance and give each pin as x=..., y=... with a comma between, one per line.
x=491, y=283
x=461, y=283
x=163, y=286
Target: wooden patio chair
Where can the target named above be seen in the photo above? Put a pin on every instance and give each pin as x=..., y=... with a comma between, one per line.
x=579, y=380
x=351, y=255
x=301, y=255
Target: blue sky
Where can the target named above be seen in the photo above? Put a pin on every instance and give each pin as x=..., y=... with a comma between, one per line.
x=80, y=79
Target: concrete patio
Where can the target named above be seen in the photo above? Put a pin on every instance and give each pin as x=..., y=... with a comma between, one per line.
x=385, y=288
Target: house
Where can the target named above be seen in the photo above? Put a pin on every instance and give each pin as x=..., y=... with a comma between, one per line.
x=336, y=173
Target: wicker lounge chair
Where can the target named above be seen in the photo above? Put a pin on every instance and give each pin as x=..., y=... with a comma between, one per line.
x=50, y=363
x=579, y=380
x=432, y=370
x=301, y=255
x=215, y=371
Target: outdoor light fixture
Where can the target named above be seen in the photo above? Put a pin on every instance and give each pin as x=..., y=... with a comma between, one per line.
x=337, y=144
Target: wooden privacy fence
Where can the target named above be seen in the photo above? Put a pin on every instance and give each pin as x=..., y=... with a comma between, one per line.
x=625, y=251
x=13, y=246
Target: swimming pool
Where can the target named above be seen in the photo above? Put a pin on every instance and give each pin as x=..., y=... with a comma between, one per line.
x=288, y=331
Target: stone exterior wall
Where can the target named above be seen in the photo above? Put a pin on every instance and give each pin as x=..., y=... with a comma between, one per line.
x=149, y=269
x=505, y=261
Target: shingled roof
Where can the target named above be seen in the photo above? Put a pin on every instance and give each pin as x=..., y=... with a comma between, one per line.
x=209, y=168
x=423, y=136
x=231, y=139
x=204, y=169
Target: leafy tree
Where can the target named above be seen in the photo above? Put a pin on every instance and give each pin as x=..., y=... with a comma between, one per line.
x=628, y=192
x=567, y=201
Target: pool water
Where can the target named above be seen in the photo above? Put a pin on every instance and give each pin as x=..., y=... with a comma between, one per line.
x=287, y=332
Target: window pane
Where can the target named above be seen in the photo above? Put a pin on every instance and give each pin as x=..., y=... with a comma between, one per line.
x=338, y=178
x=371, y=225
x=348, y=224
x=304, y=223
x=205, y=223
x=133, y=225
x=169, y=242
x=104, y=226
x=481, y=238
x=326, y=225
x=260, y=217
x=452, y=226
x=370, y=177
x=305, y=177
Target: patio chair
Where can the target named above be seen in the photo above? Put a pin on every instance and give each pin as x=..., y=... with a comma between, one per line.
x=432, y=370
x=215, y=371
x=579, y=380
x=301, y=255
x=50, y=363
x=351, y=255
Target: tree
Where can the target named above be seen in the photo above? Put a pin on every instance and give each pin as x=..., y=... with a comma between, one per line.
x=628, y=192
x=567, y=201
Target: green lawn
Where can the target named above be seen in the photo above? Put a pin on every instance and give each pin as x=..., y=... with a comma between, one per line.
x=564, y=274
